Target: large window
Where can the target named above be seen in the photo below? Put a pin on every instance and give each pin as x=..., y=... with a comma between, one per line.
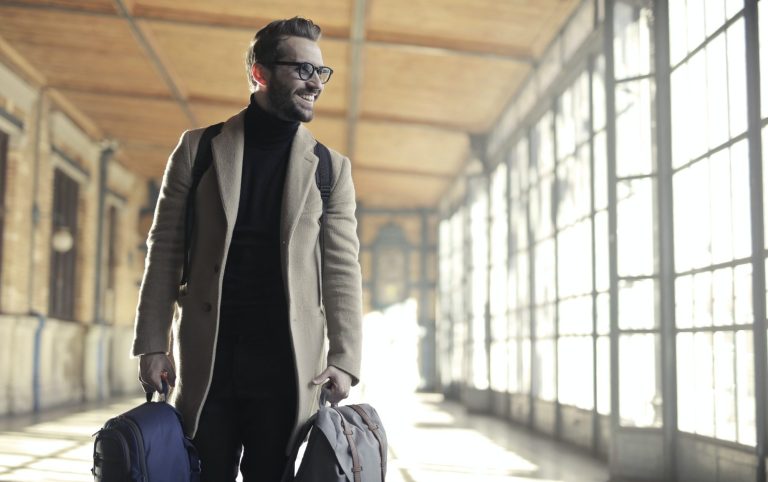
x=543, y=230
x=63, y=253
x=640, y=397
x=712, y=221
x=478, y=230
x=498, y=283
x=575, y=344
x=3, y=177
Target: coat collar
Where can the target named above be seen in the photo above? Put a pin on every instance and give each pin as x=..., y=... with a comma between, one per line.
x=227, y=150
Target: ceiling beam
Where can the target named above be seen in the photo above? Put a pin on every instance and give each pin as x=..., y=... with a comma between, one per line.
x=356, y=41
x=385, y=39
x=147, y=43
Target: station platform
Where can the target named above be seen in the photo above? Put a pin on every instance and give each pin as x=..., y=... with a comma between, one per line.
x=430, y=440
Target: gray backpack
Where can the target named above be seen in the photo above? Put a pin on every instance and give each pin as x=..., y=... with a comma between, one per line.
x=346, y=444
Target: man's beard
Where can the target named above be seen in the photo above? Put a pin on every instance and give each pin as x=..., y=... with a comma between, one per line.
x=284, y=103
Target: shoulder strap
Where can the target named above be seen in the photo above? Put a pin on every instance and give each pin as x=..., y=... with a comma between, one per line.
x=373, y=427
x=203, y=159
x=324, y=180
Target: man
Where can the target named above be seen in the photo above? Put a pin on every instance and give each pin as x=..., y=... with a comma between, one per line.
x=245, y=346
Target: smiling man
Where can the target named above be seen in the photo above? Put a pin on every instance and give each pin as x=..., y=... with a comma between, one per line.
x=249, y=346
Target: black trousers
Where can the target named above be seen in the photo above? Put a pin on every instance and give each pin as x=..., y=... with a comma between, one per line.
x=250, y=410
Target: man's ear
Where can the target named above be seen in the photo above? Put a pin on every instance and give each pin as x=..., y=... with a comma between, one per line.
x=260, y=74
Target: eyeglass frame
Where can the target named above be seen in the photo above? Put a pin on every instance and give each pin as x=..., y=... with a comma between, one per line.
x=298, y=65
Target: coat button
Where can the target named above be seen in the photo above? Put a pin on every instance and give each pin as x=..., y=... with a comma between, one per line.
x=216, y=268
x=207, y=307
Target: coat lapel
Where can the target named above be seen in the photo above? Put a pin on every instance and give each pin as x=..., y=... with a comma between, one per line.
x=299, y=177
x=228, y=163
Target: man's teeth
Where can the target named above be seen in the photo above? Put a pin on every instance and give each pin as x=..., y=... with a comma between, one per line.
x=308, y=97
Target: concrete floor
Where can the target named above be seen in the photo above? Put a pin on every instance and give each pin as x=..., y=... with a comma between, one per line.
x=430, y=440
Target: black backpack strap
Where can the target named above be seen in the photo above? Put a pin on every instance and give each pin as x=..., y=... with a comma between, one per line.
x=203, y=160
x=324, y=179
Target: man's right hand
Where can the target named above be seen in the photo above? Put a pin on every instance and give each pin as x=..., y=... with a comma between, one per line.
x=151, y=368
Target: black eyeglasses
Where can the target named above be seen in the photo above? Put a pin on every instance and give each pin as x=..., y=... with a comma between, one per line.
x=307, y=70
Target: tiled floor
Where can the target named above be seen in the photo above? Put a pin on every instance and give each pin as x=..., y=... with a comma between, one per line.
x=430, y=440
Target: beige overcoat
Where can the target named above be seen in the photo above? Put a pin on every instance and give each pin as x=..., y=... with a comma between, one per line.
x=325, y=307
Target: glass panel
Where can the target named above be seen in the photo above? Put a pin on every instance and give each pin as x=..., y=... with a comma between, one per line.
x=525, y=365
x=732, y=7
x=678, y=35
x=745, y=387
x=722, y=297
x=575, y=316
x=545, y=370
x=725, y=387
x=542, y=147
x=637, y=307
x=635, y=230
x=762, y=18
x=603, y=375
x=684, y=301
x=603, y=314
x=702, y=299
x=499, y=375
x=703, y=385
x=545, y=271
x=682, y=107
x=632, y=40
x=639, y=396
x=575, y=374
x=714, y=14
x=737, y=78
x=545, y=321
x=602, y=272
x=721, y=210
x=740, y=206
x=695, y=14
x=600, y=172
x=479, y=286
x=742, y=289
x=716, y=85
x=692, y=217
x=686, y=396
x=575, y=260
x=598, y=95
x=513, y=366
x=633, y=128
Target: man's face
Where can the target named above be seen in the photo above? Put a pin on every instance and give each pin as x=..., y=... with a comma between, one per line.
x=291, y=98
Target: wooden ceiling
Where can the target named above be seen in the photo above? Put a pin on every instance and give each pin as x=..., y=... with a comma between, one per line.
x=413, y=78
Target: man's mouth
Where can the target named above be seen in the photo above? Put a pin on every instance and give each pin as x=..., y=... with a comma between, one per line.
x=309, y=98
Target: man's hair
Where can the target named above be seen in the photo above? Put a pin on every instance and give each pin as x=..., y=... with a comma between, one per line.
x=265, y=47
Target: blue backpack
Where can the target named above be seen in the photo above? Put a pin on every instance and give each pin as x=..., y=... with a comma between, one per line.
x=145, y=444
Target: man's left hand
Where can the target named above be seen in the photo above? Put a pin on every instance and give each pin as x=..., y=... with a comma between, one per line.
x=338, y=384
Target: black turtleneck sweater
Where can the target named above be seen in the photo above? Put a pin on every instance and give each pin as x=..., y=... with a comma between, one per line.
x=253, y=298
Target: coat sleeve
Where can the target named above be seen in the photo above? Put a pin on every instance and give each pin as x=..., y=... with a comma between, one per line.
x=165, y=255
x=342, y=281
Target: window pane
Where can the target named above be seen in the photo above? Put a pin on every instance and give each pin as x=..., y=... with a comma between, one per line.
x=600, y=172
x=633, y=128
x=737, y=78
x=762, y=17
x=575, y=316
x=632, y=40
x=716, y=85
x=740, y=206
x=637, y=304
x=722, y=297
x=692, y=217
x=725, y=388
x=603, y=375
x=742, y=288
x=602, y=273
x=603, y=314
x=545, y=271
x=678, y=36
x=714, y=13
x=513, y=366
x=635, y=230
x=695, y=17
x=684, y=301
x=499, y=367
x=745, y=387
x=598, y=94
x=575, y=377
x=544, y=379
x=639, y=397
x=702, y=299
x=703, y=388
x=575, y=260
x=686, y=397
